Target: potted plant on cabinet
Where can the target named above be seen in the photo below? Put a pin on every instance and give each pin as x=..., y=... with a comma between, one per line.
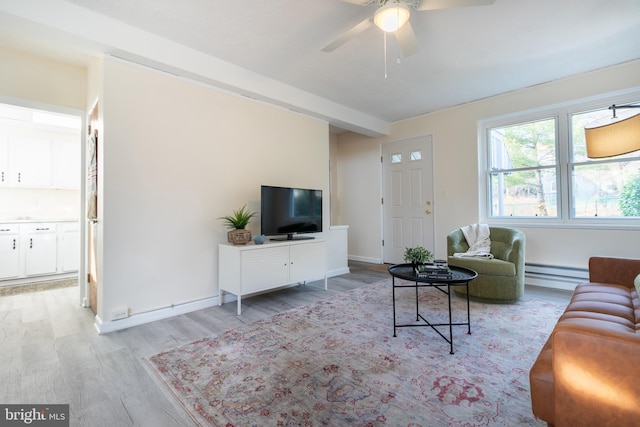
x=237, y=223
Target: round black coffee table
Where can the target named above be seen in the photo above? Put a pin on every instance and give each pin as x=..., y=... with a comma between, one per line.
x=459, y=277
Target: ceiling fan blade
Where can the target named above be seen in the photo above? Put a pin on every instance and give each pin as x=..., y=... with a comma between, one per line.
x=450, y=4
x=407, y=40
x=348, y=35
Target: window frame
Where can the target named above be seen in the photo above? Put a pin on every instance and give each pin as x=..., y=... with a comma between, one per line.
x=562, y=113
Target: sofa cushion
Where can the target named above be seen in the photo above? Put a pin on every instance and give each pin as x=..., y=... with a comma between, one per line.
x=636, y=283
x=609, y=303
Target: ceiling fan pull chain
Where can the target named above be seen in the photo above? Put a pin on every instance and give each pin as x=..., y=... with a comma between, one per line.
x=385, y=55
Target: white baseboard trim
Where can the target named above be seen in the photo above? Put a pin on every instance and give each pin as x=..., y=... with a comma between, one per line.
x=365, y=259
x=555, y=277
x=104, y=327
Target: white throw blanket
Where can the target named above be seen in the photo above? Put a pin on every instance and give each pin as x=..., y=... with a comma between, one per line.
x=479, y=241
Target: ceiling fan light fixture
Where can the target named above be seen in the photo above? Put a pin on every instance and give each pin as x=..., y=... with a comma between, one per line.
x=391, y=17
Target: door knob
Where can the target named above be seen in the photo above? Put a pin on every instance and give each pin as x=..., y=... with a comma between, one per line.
x=428, y=211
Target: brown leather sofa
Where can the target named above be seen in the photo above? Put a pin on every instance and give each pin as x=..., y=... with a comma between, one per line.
x=588, y=372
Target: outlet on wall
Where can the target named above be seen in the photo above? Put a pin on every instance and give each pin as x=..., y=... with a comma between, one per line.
x=120, y=313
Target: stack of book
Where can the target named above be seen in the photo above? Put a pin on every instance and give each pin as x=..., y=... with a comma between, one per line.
x=434, y=271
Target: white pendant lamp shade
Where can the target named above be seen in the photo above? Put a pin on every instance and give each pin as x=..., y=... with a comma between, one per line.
x=614, y=139
x=391, y=17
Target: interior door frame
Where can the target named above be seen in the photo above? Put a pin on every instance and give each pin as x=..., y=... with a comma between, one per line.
x=83, y=284
x=431, y=166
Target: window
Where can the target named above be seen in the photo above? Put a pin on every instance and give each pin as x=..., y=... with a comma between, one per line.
x=537, y=169
x=608, y=188
x=523, y=169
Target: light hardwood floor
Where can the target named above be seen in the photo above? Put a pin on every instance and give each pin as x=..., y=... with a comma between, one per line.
x=51, y=353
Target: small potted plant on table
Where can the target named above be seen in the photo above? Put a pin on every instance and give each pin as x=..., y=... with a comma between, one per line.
x=417, y=256
x=237, y=223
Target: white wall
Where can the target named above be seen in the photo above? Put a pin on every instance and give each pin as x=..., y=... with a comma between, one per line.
x=174, y=156
x=456, y=201
x=29, y=77
x=177, y=155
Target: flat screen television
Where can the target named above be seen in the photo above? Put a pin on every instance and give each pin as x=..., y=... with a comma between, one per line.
x=290, y=211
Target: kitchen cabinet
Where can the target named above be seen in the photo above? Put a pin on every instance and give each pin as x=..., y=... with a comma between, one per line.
x=39, y=163
x=68, y=247
x=4, y=160
x=248, y=269
x=41, y=249
x=9, y=251
x=65, y=165
x=37, y=249
x=29, y=162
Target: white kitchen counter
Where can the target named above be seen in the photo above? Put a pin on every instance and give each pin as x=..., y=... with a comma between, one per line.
x=32, y=220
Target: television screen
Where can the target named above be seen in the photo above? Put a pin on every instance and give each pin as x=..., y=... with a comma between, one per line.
x=290, y=211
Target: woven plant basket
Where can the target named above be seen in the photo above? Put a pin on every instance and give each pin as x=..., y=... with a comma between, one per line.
x=239, y=236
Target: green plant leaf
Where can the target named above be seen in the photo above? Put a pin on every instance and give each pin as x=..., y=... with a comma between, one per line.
x=239, y=219
x=417, y=255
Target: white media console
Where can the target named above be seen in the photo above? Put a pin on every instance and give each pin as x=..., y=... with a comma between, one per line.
x=251, y=268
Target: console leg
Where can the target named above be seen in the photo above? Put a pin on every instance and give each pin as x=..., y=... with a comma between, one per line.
x=239, y=306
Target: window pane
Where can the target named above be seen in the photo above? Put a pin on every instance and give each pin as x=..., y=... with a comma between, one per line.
x=524, y=145
x=396, y=158
x=607, y=190
x=416, y=155
x=528, y=193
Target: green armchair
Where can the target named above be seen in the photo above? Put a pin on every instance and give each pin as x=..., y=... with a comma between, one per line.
x=500, y=279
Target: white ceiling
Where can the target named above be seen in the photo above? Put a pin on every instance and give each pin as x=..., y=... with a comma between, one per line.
x=465, y=54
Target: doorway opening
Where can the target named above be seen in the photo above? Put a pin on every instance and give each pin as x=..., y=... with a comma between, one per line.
x=41, y=187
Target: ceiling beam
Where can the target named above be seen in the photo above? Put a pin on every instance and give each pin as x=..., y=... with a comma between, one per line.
x=58, y=21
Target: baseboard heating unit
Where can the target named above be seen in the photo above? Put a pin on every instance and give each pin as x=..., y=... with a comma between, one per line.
x=556, y=277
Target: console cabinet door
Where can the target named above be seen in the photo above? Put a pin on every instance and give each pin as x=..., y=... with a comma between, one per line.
x=264, y=268
x=308, y=262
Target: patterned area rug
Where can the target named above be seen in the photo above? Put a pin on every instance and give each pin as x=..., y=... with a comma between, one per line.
x=336, y=363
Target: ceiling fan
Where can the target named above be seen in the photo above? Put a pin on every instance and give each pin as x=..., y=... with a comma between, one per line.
x=392, y=16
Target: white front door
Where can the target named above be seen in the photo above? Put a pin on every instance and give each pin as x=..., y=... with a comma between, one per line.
x=407, y=170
